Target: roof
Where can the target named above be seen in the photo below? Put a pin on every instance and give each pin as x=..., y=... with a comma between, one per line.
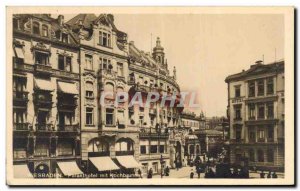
x=86, y=19
x=258, y=69
x=140, y=56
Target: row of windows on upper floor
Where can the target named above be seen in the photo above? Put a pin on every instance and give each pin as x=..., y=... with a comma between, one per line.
x=260, y=87
x=43, y=30
x=256, y=111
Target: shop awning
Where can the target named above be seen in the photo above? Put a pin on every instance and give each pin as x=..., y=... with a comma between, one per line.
x=22, y=171
x=104, y=163
x=128, y=161
x=43, y=85
x=69, y=168
x=68, y=88
x=19, y=52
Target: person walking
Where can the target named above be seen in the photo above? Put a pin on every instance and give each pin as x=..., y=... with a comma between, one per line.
x=262, y=174
x=140, y=173
x=167, y=171
x=150, y=173
x=198, y=170
x=269, y=175
x=274, y=175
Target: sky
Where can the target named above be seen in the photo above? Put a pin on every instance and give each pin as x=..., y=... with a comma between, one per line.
x=206, y=48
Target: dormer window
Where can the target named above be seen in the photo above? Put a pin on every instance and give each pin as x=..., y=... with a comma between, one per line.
x=36, y=28
x=65, y=38
x=45, y=31
x=104, y=39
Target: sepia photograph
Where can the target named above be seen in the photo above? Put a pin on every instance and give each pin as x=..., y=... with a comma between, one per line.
x=150, y=96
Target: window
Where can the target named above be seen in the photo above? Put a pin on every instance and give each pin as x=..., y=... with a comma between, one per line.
x=141, y=120
x=89, y=62
x=41, y=148
x=104, y=39
x=251, y=108
x=36, y=28
x=261, y=135
x=153, y=149
x=105, y=63
x=237, y=113
x=251, y=89
x=41, y=58
x=120, y=69
x=16, y=23
x=143, y=149
x=64, y=63
x=89, y=116
x=237, y=91
x=270, y=132
x=252, y=136
x=260, y=87
x=270, y=155
x=109, y=116
x=270, y=86
x=61, y=62
x=260, y=155
x=65, y=148
x=89, y=93
x=251, y=155
x=161, y=148
x=261, y=111
x=270, y=110
x=19, y=116
x=45, y=30
x=65, y=38
x=109, y=87
x=20, y=148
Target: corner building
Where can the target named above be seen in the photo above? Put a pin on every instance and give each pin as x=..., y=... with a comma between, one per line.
x=256, y=113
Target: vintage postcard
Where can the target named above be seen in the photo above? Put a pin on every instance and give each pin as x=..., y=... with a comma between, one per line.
x=150, y=96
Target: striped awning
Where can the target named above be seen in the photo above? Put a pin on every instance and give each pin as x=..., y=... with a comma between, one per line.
x=68, y=88
x=128, y=161
x=46, y=85
x=104, y=163
x=69, y=168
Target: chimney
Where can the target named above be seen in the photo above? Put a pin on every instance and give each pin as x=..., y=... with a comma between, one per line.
x=61, y=20
x=131, y=42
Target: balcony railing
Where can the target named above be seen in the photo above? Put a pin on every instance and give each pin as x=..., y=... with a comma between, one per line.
x=122, y=153
x=20, y=96
x=67, y=103
x=148, y=132
x=21, y=126
x=68, y=128
x=44, y=127
x=47, y=69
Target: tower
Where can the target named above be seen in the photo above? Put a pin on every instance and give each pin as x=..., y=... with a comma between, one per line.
x=158, y=52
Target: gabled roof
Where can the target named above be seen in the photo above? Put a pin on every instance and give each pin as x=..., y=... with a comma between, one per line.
x=258, y=69
x=86, y=19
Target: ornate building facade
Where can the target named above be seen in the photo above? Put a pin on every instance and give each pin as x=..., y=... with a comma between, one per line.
x=256, y=116
x=61, y=70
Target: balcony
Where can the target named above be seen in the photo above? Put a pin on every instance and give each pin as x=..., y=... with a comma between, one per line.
x=45, y=69
x=21, y=126
x=151, y=132
x=44, y=127
x=68, y=128
x=43, y=100
x=20, y=98
x=66, y=74
x=123, y=153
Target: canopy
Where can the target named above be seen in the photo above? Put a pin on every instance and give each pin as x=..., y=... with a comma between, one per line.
x=128, y=161
x=103, y=163
x=69, y=168
x=22, y=171
x=44, y=84
x=68, y=88
x=19, y=52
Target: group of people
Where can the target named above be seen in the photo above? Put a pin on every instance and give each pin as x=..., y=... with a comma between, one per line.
x=270, y=175
x=165, y=172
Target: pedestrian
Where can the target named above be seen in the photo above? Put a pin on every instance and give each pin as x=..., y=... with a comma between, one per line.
x=262, y=174
x=192, y=174
x=150, y=173
x=269, y=175
x=167, y=171
x=140, y=173
x=235, y=173
x=274, y=175
x=198, y=170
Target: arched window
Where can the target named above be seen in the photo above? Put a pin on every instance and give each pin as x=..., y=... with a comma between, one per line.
x=260, y=155
x=89, y=89
x=124, y=145
x=45, y=30
x=36, y=28
x=97, y=145
x=109, y=87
